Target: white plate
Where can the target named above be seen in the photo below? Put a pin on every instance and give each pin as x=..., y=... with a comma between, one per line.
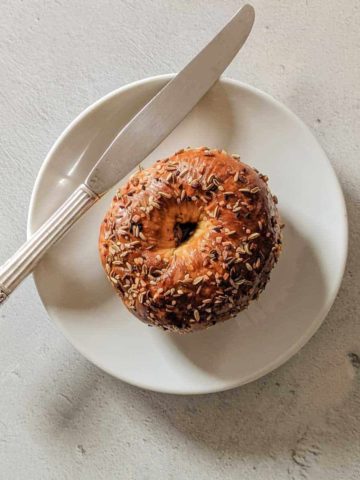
x=303, y=285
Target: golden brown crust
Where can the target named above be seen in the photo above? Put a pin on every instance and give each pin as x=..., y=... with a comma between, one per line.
x=226, y=262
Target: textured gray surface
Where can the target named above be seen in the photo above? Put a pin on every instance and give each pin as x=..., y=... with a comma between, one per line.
x=62, y=418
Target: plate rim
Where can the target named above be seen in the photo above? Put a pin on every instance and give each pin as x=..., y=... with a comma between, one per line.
x=296, y=347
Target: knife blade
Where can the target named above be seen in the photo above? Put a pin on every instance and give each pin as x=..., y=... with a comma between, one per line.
x=134, y=142
x=166, y=110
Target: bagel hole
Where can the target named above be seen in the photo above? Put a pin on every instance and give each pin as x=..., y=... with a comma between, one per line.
x=184, y=231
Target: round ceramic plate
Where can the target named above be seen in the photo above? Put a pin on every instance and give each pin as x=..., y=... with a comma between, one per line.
x=302, y=287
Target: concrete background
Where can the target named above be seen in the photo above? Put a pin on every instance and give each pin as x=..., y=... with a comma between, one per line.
x=62, y=418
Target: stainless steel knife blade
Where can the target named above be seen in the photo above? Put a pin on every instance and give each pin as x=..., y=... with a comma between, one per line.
x=165, y=111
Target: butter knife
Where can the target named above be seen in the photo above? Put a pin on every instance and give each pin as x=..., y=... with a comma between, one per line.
x=157, y=119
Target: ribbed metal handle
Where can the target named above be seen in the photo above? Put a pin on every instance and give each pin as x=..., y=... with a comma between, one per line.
x=23, y=262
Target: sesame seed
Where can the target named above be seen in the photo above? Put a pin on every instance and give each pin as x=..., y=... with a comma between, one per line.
x=197, y=280
x=183, y=172
x=246, y=248
x=231, y=281
x=216, y=182
x=115, y=247
x=253, y=236
x=169, y=177
x=165, y=195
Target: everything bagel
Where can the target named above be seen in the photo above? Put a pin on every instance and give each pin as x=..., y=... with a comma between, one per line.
x=190, y=241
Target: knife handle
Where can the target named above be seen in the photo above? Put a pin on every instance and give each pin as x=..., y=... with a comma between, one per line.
x=23, y=262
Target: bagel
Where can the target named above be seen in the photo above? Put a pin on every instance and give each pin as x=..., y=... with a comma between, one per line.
x=191, y=240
